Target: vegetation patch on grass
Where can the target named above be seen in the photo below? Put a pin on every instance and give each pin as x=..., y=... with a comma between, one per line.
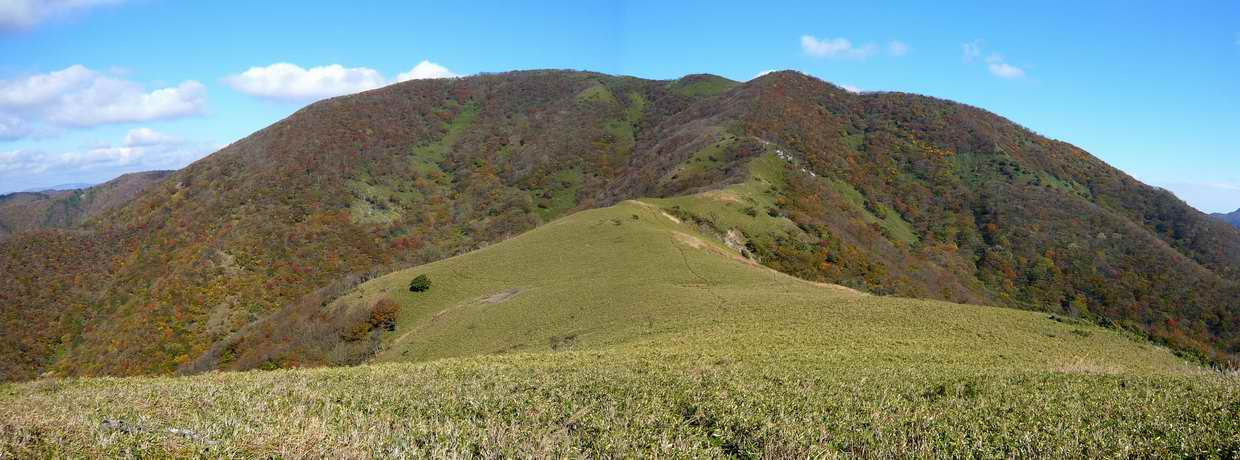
x=597, y=93
x=702, y=85
x=434, y=152
x=892, y=224
x=559, y=196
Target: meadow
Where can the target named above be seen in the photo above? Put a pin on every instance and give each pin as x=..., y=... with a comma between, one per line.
x=627, y=332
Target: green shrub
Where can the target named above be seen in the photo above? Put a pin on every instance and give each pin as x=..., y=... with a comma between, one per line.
x=420, y=284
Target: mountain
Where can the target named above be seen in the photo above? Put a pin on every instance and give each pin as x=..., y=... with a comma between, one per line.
x=61, y=187
x=627, y=331
x=67, y=206
x=887, y=193
x=1233, y=218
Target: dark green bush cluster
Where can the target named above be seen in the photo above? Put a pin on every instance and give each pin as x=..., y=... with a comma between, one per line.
x=420, y=284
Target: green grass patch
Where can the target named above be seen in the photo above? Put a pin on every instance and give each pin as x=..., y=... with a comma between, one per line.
x=435, y=152
x=559, y=196
x=976, y=168
x=597, y=93
x=702, y=85
x=892, y=223
x=382, y=201
x=705, y=161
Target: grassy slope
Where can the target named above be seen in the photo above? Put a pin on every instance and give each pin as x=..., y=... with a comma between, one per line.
x=621, y=332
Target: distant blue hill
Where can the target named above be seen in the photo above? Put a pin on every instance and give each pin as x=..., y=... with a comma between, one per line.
x=55, y=188
x=1233, y=218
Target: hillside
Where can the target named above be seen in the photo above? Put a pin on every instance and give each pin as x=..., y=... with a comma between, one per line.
x=632, y=273
x=1233, y=218
x=65, y=208
x=882, y=192
x=626, y=332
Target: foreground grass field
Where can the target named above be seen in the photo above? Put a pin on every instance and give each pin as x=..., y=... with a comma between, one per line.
x=627, y=402
x=623, y=332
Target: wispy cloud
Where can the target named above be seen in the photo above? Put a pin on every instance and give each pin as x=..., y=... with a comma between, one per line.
x=141, y=149
x=146, y=137
x=971, y=50
x=995, y=63
x=851, y=89
x=838, y=48
x=999, y=68
x=897, y=48
x=12, y=127
x=287, y=82
x=18, y=15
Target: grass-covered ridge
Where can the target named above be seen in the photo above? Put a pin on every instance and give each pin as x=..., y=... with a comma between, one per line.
x=891, y=194
x=626, y=332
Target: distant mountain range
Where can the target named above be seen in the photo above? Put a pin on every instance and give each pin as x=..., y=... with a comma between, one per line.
x=58, y=187
x=1233, y=218
x=66, y=206
x=889, y=193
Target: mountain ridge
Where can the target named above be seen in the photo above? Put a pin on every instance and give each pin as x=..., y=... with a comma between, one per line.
x=58, y=187
x=68, y=208
x=1232, y=218
x=887, y=192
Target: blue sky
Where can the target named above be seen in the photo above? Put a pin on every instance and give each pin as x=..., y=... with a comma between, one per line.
x=90, y=89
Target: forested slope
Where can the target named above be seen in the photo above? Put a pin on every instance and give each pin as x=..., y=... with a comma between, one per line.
x=25, y=211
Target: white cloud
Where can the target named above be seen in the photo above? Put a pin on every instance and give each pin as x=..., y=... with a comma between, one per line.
x=425, y=70
x=836, y=48
x=290, y=82
x=995, y=63
x=141, y=149
x=80, y=97
x=971, y=50
x=24, y=14
x=20, y=160
x=42, y=88
x=12, y=127
x=851, y=89
x=897, y=48
x=109, y=100
x=1005, y=70
x=141, y=137
x=1002, y=69
x=764, y=72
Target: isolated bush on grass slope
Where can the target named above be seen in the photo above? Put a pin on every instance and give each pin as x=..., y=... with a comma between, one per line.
x=420, y=284
x=383, y=314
